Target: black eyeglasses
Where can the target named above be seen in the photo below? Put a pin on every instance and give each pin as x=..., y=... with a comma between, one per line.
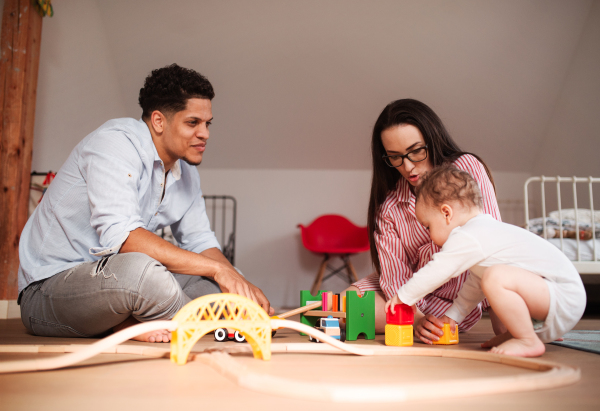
x=396, y=160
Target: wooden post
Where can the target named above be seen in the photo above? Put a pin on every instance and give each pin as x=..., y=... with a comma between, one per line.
x=20, y=56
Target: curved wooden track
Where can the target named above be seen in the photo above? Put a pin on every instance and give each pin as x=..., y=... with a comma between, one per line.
x=547, y=375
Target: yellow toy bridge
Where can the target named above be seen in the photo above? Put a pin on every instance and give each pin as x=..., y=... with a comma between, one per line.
x=213, y=311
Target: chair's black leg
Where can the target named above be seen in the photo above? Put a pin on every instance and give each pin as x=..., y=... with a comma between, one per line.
x=351, y=270
x=317, y=284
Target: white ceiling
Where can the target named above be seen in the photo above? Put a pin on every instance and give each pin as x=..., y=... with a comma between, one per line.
x=299, y=84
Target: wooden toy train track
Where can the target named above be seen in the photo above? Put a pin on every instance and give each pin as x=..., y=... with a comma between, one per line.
x=227, y=310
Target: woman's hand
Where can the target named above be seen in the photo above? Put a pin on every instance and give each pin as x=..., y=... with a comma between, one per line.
x=447, y=320
x=429, y=328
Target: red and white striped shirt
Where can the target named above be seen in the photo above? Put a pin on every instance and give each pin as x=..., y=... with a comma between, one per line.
x=404, y=246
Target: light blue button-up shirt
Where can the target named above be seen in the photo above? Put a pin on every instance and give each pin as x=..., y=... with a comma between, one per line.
x=111, y=184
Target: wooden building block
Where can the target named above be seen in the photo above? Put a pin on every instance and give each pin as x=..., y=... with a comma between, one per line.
x=307, y=298
x=319, y=313
x=360, y=315
x=326, y=301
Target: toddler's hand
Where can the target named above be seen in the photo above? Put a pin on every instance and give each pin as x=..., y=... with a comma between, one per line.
x=392, y=303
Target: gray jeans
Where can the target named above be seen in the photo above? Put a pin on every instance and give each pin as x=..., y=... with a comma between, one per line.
x=91, y=298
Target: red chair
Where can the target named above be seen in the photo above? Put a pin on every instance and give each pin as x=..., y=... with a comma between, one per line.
x=334, y=235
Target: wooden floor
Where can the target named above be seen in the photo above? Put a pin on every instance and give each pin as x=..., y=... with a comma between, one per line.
x=119, y=382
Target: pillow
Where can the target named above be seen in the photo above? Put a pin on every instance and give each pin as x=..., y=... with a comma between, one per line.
x=584, y=216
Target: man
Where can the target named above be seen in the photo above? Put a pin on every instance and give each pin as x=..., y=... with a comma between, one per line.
x=90, y=262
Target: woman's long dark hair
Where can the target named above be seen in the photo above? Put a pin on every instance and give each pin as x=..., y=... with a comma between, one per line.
x=441, y=149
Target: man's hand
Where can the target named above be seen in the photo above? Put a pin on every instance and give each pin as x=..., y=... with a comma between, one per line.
x=210, y=263
x=233, y=282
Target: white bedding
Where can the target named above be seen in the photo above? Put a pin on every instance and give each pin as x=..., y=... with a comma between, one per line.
x=570, y=248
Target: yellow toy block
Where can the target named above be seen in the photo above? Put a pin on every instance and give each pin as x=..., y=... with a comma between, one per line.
x=449, y=337
x=398, y=335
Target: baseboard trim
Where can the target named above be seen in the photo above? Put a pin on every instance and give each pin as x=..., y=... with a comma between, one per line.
x=9, y=309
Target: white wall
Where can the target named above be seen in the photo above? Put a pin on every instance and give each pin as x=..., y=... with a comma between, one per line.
x=510, y=193
x=77, y=86
x=310, y=77
x=572, y=142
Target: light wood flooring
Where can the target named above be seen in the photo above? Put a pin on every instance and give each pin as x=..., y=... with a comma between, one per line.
x=128, y=382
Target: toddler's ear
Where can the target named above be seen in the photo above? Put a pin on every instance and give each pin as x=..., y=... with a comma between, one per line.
x=447, y=212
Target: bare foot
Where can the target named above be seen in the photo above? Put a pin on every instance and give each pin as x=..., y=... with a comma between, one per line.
x=159, y=336
x=521, y=348
x=497, y=340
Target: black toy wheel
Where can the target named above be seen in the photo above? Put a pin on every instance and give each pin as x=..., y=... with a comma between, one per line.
x=238, y=337
x=221, y=334
x=342, y=335
x=313, y=339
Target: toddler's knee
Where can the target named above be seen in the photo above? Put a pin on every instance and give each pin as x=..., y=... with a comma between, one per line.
x=491, y=278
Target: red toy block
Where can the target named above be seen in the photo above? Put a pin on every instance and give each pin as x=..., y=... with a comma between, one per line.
x=404, y=315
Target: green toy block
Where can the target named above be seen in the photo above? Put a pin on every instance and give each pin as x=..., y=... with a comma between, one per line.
x=306, y=298
x=360, y=315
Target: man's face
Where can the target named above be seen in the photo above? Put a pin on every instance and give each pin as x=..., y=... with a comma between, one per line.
x=186, y=132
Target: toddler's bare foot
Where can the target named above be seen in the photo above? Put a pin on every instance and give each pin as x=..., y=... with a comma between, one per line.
x=160, y=336
x=497, y=340
x=532, y=347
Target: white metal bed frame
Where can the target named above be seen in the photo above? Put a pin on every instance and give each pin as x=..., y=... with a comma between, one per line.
x=583, y=267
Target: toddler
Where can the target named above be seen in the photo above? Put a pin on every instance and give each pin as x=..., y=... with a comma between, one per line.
x=531, y=285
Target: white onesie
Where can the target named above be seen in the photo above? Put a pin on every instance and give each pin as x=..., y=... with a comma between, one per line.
x=483, y=242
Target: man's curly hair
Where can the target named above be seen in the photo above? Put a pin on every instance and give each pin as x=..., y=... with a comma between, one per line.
x=168, y=89
x=447, y=183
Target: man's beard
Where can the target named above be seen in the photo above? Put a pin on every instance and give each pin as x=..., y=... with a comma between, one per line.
x=191, y=162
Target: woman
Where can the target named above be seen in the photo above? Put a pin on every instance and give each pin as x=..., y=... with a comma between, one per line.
x=408, y=140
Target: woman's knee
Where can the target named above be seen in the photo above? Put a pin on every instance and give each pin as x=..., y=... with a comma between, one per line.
x=352, y=288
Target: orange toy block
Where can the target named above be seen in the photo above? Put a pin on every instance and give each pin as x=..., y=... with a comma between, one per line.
x=449, y=337
x=335, y=305
x=398, y=335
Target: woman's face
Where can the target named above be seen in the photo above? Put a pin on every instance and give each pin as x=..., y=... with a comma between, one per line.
x=403, y=139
